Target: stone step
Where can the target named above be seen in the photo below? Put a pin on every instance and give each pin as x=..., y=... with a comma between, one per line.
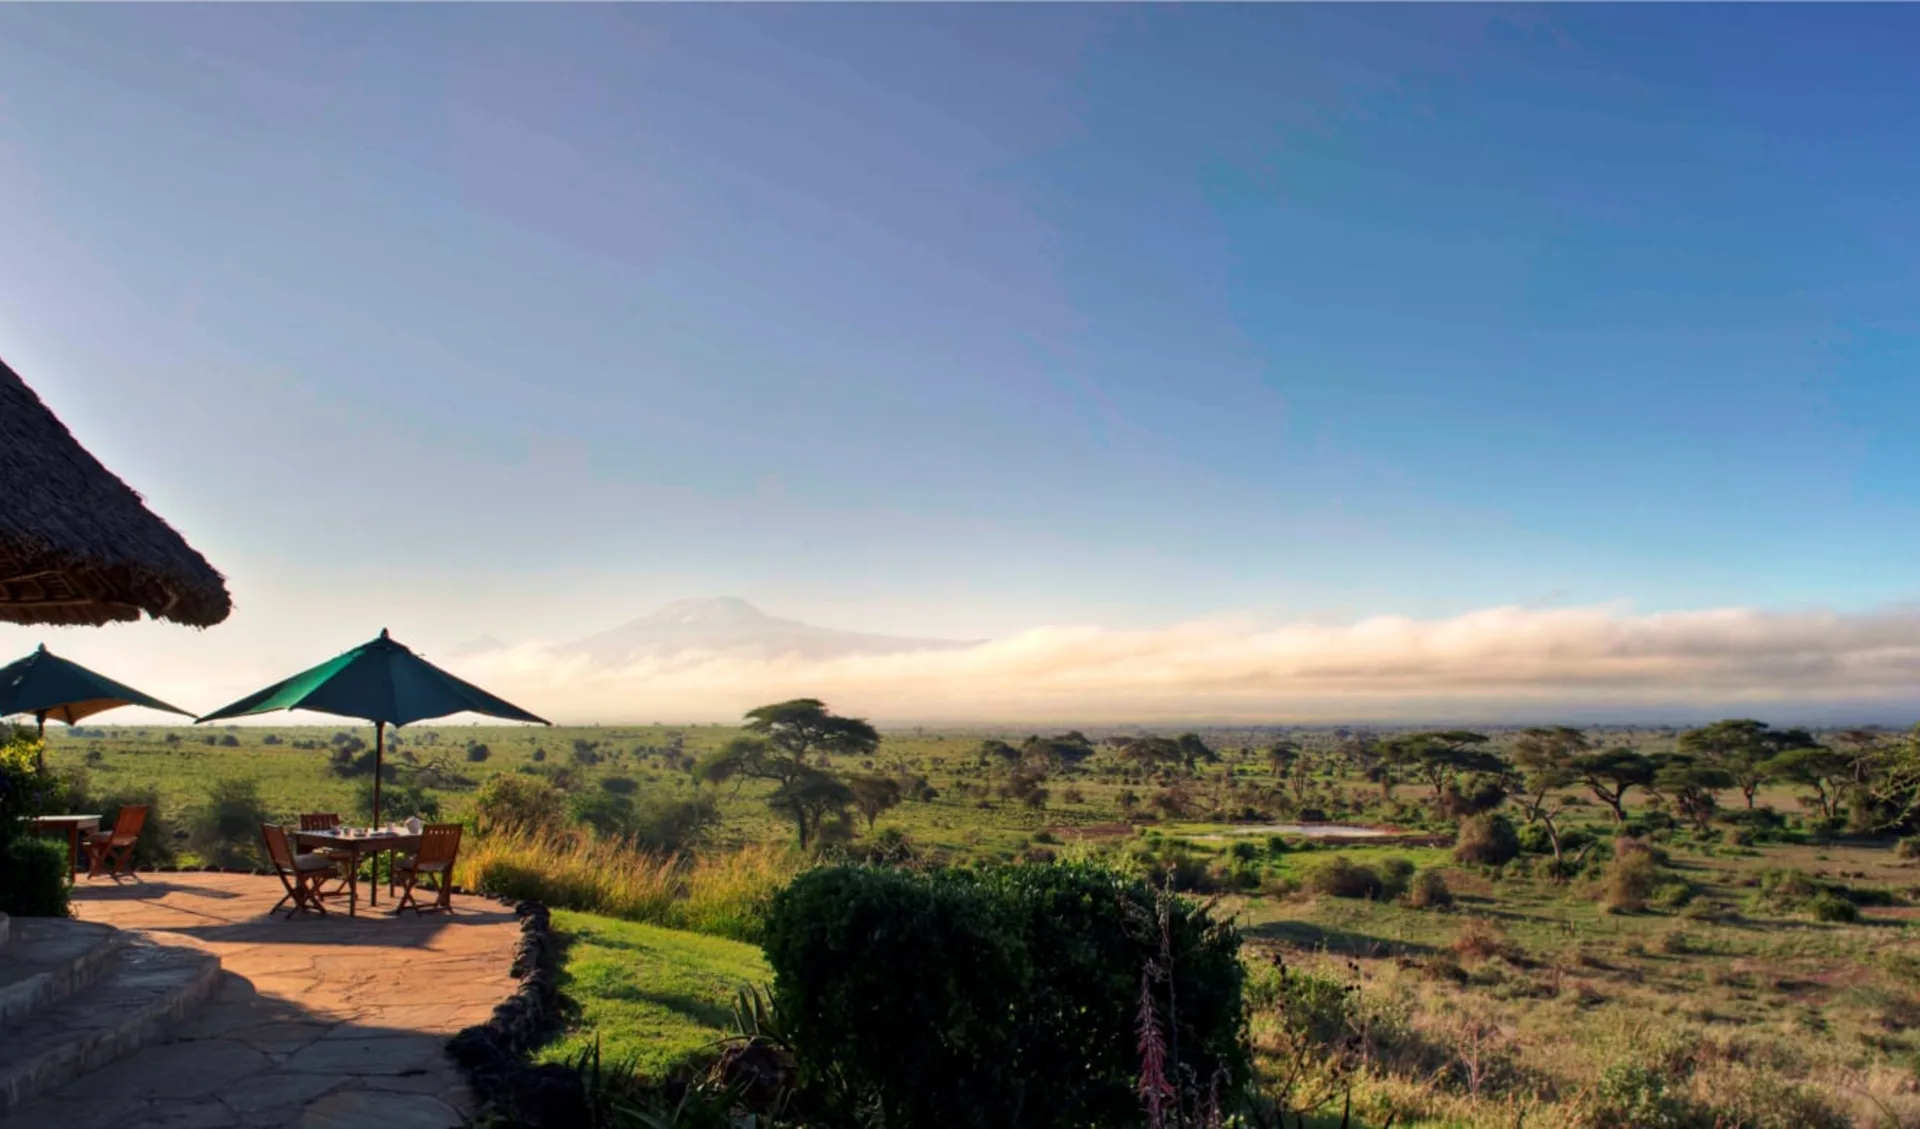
x=49, y=959
x=148, y=989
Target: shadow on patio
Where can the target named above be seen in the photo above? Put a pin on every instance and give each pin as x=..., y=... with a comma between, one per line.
x=318, y=1021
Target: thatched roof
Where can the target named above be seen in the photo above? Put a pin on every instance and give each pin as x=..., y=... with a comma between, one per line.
x=77, y=546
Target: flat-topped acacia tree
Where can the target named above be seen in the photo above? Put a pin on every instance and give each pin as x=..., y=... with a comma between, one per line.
x=780, y=738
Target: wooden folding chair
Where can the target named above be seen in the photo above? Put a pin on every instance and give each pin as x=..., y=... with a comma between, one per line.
x=111, y=852
x=302, y=875
x=439, y=848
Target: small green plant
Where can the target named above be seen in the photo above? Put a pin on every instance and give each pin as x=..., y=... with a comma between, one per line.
x=1339, y=877
x=1635, y=1096
x=1833, y=908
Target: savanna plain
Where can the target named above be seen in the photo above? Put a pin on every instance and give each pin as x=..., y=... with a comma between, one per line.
x=1709, y=926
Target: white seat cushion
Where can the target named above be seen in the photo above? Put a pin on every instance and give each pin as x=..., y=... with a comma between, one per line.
x=312, y=862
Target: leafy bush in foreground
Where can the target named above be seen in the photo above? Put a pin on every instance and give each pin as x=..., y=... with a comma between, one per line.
x=33, y=877
x=1000, y=996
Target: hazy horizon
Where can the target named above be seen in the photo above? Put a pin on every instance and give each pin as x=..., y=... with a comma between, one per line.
x=1239, y=363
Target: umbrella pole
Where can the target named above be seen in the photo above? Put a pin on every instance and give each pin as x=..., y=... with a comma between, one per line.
x=379, y=770
x=40, y=731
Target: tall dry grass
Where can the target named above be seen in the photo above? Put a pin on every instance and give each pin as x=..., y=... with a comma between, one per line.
x=725, y=894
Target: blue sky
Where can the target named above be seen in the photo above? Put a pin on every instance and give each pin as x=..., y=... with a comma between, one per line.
x=964, y=320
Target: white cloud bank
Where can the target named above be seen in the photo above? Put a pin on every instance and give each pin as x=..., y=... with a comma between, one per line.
x=1513, y=663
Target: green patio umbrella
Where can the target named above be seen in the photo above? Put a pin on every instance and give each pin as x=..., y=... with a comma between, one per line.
x=382, y=682
x=48, y=686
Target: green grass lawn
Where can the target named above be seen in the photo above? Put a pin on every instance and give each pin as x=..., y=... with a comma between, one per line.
x=657, y=996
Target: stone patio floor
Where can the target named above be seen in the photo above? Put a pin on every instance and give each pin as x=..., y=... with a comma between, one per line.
x=319, y=1022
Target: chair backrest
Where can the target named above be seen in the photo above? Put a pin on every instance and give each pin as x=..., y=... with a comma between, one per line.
x=439, y=842
x=131, y=819
x=319, y=821
x=278, y=851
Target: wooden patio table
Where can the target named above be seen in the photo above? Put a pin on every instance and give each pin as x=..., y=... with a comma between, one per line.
x=360, y=843
x=72, y=826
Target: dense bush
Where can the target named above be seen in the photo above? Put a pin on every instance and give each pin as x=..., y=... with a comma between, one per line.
x=1429, y=891
x=1828, y=906
x=25, y=790
x=669, y=826
x=1629, y=881
x=1000, y=996
x=33, y=877
x=1339, y=878
x=1395, y=874
x=513, y=802
x=226, y=831
x=1486, y=840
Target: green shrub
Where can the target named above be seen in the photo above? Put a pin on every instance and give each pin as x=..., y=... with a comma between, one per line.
x=513, y=802
x=605, y=812
x=670, y=826
x=1673, y=894
x=997, y=996
x=1395, y=873
x=1632, y=1096
x=1428, y=890
x=1486, y=840
x=1832, y=907
x=25, y=790
x=226, y=831
x=1629, y=881
x=33, y=877
x=1339, y=877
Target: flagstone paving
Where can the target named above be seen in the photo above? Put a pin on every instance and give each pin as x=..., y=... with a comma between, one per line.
x=318, y=1022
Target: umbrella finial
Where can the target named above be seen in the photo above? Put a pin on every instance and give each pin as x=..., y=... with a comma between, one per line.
x=383, y=633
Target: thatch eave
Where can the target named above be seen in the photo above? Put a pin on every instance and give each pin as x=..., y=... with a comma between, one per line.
x=77, y=545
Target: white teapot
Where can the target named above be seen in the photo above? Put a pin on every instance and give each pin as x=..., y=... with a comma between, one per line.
x=414, y=826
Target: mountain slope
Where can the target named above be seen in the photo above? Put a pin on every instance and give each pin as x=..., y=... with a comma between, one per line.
x=732, y=626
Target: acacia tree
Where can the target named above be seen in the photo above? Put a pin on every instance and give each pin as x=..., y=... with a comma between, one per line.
x=804, y=726
x=1824, y=770
x=1743, y=749
x=1439, y=757
x=874, y=794
x=1064, y=752
x=1694, y=785
x=1609, y=775
x=805, y=794
x=1543, y=760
